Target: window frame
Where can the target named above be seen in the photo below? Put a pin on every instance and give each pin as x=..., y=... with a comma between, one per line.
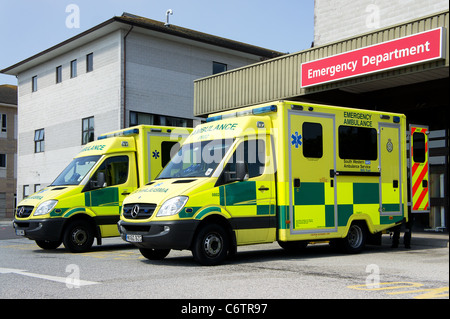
x=73, y=69
x=39, y=140
x=89, y=130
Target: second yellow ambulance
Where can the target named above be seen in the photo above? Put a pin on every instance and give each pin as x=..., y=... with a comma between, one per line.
x=287, y=171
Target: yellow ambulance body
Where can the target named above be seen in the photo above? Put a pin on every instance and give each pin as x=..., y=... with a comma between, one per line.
x=287, y=171
x=84, y=201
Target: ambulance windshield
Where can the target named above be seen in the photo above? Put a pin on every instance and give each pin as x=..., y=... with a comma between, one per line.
x=74, y=173
x=198, y=159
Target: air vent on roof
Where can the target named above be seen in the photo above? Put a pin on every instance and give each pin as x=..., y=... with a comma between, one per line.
x=168, y=12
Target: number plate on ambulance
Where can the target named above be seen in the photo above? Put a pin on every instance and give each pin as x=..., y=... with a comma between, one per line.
x=134, y=238
x=20, y=232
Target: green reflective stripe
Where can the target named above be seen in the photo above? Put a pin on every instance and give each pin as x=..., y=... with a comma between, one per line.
x=73, y=211
x=243, y=193
x=366, y=193
x=108, y=196
x=309, y=194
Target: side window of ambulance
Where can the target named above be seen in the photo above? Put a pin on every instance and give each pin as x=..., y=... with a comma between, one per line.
x=312, y=140
x=115, y=169
x=419, y=147
x=358, y=143
x=168, y=149
x=254, y=153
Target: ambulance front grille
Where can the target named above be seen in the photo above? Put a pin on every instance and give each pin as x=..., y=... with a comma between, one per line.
x=24, y=211
x=138, y=211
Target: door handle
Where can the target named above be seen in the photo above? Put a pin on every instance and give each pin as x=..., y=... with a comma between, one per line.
x=126, y=193
x=263, y=188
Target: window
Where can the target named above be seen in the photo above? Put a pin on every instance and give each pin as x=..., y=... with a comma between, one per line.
x=39, y=145
x=252, y=152
x=90, y=62
x=73, y=68
x=168, y=149
x=115, y=169
x=2, y=160
x=59, y=74
x=87, y=134
x=3, y=123
x=37, y=187
x=219, y=67
x=419, y=147
x=357, y=143
x=312, y=140
x=137, y=118
x=26, y=191
x=34, y=83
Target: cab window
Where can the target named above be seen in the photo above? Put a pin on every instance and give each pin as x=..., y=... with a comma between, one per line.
x=253, y=152
x=115, y=169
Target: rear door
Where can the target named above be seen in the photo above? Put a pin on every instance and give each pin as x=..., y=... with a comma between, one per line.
x=312, y=152
x=419, y=191
x=390, y=168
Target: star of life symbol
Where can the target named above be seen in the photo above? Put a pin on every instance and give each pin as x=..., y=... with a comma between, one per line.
x=296, y=139
x=155, y=154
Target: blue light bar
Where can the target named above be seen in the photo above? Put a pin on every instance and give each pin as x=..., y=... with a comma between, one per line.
x=255, y=111
x=123, y=133
x=214, y=118
x=264, y=109
x=131, y=132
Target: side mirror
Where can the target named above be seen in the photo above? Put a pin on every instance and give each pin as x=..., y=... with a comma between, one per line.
x=101, y=179
x=240, y=174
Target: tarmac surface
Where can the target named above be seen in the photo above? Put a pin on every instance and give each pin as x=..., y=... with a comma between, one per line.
x=419, y=237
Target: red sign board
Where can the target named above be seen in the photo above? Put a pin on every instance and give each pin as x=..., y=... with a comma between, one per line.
x=417, y=48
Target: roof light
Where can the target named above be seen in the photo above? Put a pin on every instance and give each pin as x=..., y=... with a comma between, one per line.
x=255, y=111
x=121, y=133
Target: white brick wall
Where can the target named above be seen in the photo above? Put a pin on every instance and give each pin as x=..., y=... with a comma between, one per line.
x=60, y=107
x=339, y=19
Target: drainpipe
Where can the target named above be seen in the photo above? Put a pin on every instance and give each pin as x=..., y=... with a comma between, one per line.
x=125, y=77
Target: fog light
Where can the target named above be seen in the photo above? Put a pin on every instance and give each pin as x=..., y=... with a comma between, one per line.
x=166, y=228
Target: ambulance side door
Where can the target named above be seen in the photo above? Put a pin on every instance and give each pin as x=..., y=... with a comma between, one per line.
x=312, y=163
x=251, y=202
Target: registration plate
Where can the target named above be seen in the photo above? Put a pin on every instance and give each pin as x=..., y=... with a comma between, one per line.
x=134, y=238
x=20, y=232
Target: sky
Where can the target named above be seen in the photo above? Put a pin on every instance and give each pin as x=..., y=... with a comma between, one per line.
x=28, y=27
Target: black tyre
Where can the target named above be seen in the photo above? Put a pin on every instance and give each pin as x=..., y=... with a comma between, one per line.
x=79, y=236
x=355, y=241
x=48, y=245
x=211, y=245
x=154, y=254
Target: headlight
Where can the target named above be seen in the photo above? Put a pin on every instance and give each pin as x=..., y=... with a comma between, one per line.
x=172, y=206
x=45, y=207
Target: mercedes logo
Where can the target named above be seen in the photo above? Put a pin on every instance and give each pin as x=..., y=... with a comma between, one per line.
x=135, y=211
x=21, y=211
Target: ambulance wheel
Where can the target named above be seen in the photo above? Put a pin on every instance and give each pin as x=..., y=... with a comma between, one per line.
x=48, y=245
x=78, y=236
x=355, y=240
x=154, y=254
x=211, y=245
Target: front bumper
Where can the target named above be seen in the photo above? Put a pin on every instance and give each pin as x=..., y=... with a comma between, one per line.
x=40, y=229
x=159, y=235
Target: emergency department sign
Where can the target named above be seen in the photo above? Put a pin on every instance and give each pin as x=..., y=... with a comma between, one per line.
x=417, y=48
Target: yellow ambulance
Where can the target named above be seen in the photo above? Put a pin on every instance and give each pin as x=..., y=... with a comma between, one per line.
x=286, y=171
x=84, y=201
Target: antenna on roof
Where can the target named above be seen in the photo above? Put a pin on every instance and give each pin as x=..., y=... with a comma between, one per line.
x=168, y=12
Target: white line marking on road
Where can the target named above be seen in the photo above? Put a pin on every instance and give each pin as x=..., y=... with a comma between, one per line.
x=63, y=280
